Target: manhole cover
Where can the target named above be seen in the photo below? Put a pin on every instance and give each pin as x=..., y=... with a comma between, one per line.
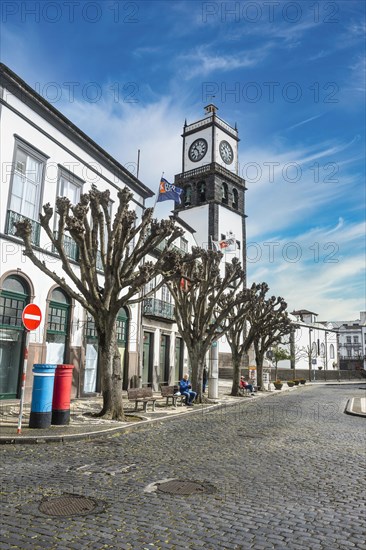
x=68, y=505
x=183, y=487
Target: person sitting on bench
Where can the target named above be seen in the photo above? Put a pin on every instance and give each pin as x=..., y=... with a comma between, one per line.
x=244, y=385
x=186, y=389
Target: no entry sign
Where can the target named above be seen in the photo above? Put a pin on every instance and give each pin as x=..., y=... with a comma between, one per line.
x=31, y=317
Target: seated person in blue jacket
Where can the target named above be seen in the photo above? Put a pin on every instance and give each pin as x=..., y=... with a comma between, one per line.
x=185, y=388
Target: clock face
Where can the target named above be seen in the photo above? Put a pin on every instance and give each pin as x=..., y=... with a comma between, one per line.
x=226, y=152
x=197, y=150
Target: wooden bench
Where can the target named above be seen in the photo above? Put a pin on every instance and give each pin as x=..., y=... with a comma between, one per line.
x=142, y=395
x=169, y=393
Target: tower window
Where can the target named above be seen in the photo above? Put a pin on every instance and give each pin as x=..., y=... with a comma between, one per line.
x=235, y=199
x=202, y=191
x=224, y=193
x=188, y=196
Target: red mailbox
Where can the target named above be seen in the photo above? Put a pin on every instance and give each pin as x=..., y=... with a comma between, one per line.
x=62, y=395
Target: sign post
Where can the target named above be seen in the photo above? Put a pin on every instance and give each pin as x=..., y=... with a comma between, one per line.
x=31, y=318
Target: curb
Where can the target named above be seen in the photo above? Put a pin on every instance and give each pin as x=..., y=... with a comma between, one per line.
x=356, y=406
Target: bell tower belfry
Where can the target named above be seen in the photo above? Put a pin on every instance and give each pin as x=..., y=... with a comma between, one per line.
x=213, y=201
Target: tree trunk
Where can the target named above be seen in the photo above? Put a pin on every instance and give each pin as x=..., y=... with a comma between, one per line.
x=111, y=371
x=259, y=363
x=236, y=359
x=276, y=370
x=197, y=360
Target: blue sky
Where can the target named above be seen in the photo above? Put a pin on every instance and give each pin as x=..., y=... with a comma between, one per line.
x=290, y=74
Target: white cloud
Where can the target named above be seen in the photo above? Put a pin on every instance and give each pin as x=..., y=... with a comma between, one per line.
x=124, y=128
x=313, y=270
x=304, y=122
x=200, y=62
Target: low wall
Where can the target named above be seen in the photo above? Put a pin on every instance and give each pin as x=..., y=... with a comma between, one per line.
x=288, y=374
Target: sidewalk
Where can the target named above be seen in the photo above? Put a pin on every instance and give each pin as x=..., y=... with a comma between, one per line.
x=356, y=406
x=83, y=425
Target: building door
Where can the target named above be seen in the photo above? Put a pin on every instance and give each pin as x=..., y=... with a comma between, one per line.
x=164, y=359
x=13, y=299
x=58, y=326
x=91, y=373
x=122, y=332
x=91, y=357
x=147, y=360
x=178, y=367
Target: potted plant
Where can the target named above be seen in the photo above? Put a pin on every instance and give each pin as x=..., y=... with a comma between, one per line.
x=296, y=382
x=290, y=383
x=278, y=384
x=302, y=380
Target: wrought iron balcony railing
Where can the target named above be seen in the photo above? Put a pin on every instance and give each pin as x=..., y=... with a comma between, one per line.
x=213, y=167
x=14, y=217
x=162, y=246
x=70, y=246
x=157, y=308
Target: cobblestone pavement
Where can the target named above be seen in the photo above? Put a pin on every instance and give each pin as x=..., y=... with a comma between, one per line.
x=288, y=472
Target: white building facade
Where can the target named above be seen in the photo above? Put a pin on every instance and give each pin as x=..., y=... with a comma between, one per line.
x=163, y=355
x=43, y=155
x=312, y=345
x=352, y=343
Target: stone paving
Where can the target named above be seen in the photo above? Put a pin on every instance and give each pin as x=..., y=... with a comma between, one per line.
x=288, y=473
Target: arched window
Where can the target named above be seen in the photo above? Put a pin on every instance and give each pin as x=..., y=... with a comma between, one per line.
x=224, y=193
x=314, y=349
x=14, y=297
x=322, y=349
x=188, y=195
x=235, y=199
x=202, y=191
x=331, y=351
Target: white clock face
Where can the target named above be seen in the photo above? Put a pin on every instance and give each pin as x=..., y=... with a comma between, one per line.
x=197, y=150
x=226, y=152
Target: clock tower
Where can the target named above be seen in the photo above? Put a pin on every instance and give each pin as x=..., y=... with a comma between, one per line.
x=213, y=201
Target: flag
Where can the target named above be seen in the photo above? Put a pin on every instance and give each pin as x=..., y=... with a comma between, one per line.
x=169, y=192
x=226, y=245
x=184, y=284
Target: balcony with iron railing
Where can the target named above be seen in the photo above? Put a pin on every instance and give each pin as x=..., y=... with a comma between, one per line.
x=70, y=247
x=202, y=171
x=13, y=217
x=153, y=307
x=160, y=247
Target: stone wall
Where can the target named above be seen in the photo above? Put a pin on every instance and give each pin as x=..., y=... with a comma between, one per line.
x=288, y=374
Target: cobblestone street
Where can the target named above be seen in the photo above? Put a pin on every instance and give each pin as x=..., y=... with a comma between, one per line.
x=287, y=471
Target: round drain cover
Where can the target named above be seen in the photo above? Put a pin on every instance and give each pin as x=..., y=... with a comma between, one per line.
x=67, y=505
x=183, y=487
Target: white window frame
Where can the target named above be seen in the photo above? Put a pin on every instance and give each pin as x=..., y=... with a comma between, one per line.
x=184, y=244
x=165, y=295
x=64, y=174
x=149, y=287
x=41, y=158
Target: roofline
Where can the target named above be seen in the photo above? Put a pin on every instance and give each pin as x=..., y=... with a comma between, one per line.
x=302, y=311
x=31, y=98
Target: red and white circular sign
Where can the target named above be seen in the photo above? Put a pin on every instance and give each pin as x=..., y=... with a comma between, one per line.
x=31, y=317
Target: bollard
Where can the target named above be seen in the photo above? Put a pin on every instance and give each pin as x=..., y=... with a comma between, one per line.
x=61, y=395
x=41, y=408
